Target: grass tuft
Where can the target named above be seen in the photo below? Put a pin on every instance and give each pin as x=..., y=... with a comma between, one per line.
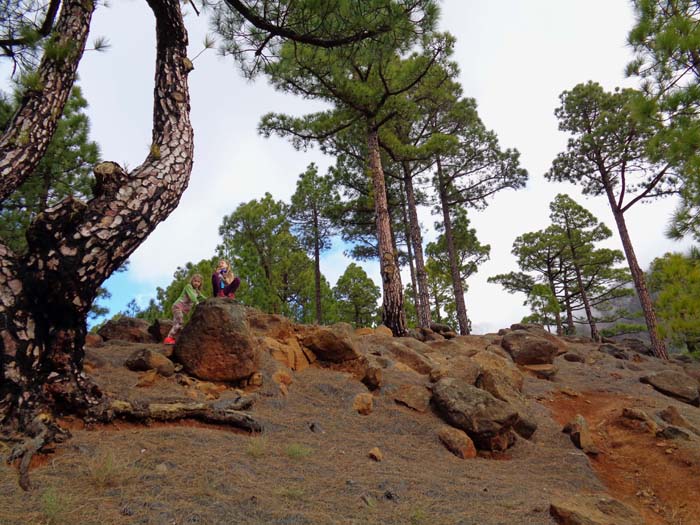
x=257, y=446
x=298, y=451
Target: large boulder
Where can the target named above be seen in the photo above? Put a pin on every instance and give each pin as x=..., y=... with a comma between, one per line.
x=332, y=343
x=528, y=349
x=126, y=329
x=216, y=345
x=675, y=384
x=487, y=420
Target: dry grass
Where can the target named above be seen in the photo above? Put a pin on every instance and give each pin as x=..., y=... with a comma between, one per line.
x=181, y=474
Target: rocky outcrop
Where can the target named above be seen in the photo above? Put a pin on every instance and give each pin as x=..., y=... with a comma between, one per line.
x=487, y=420
x=331, y=343
x=528, y=349
x=126, y=329
x=592, y=509
x=216, y=345
x=675, y=384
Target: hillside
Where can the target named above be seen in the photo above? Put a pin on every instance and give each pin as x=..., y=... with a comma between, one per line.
x=357, y=427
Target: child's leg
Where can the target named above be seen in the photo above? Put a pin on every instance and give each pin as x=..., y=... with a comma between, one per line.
x=216, y=285
x=178, y=317
x=233, y=286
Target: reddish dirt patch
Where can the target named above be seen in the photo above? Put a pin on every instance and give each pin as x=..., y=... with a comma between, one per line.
x=656, y=476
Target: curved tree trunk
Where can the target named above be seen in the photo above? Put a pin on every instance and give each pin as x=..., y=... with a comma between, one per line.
x=394, y=316
x=29, y=133
x=73, y=247
x=462, y=318
x=423, y=303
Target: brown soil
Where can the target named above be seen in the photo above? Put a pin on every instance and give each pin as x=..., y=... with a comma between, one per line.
x=190, y=473
x=657, y=477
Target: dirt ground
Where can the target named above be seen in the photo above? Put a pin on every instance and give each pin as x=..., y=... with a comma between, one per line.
x=311, y=465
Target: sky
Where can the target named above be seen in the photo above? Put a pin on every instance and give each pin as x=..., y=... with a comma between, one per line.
x=515, y=58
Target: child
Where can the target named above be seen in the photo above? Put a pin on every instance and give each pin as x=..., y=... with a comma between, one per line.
x=223, y=282
x=191, y=295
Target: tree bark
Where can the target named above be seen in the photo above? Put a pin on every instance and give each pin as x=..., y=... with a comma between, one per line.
x=423, y=303
x=317, y=268
x=29, y=133
x=394, y=316
x=409, y=249
x=657, y=344
x=595, y=334
x=74, y=246
x=462, y=319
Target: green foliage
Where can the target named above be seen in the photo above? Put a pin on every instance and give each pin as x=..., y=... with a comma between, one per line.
x=470, y=254
x=65, y=170
x=276, y=274
x=676, y=280
x=665, y=40
x=325, y=25
x=356, y=296
x=607, y=151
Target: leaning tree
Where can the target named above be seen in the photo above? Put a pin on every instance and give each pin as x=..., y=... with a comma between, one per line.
x=73, y=246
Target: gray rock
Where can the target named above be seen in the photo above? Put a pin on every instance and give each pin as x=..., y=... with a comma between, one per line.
x=487, y=420
x=528, y=349
x=675, y=384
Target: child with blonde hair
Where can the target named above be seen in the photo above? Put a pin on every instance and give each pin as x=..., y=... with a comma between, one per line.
x=191, y=295
x=223, y=281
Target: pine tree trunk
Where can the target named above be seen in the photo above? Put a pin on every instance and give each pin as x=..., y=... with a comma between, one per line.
x=45, y=295
x=557, y=314
x=409, y=249
x=657, y=344
x=29, y=133
x=317, y=269
x=423, y=303
x=458, y=289
x=595, y=335
x=394, y=316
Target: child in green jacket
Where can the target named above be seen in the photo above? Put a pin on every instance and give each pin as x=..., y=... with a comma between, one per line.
x=190, y=296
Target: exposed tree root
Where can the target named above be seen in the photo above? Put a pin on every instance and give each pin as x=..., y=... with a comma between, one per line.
x=44, y=431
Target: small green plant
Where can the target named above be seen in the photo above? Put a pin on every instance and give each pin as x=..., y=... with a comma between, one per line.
x=298, y=451
x=155, y=151
x=419, y=516
x=257, y=446
x=54, y=506
x=107, y=471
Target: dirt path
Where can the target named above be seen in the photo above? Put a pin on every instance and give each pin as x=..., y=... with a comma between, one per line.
x=659, y=478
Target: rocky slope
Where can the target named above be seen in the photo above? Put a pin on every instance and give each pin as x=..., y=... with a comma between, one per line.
x=356, y=426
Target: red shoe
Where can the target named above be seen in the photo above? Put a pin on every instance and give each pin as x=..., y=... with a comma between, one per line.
x=169, y=341
x=231, y=296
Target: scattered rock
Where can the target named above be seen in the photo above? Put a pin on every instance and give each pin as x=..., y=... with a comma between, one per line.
x=574, y=357
x=672, y=432
x=373, y=377
x=640, y=415
x=580, y=435
x=376, y=454
x=592, y=509
x=145, y=359
x=675, y=384
x=216, y=344
x=457, y=442
x=363, y=403
x=672, y=416
x=289, y=353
